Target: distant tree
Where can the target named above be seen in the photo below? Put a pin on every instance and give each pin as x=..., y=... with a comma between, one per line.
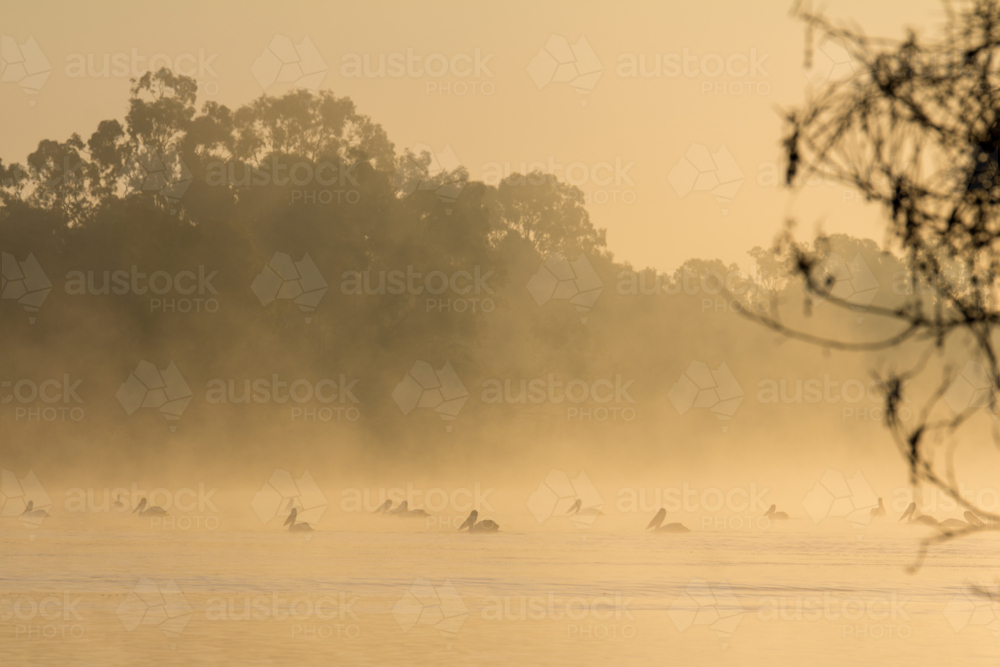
x=171, y=187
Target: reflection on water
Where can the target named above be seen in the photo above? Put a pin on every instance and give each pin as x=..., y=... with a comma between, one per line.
x=108, y=597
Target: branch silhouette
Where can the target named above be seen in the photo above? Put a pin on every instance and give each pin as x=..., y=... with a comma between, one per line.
x=915, y=130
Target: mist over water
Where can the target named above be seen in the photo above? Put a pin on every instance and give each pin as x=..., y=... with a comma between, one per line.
x=451, y=334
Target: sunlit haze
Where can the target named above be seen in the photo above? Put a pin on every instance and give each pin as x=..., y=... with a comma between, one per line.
x=587, y=333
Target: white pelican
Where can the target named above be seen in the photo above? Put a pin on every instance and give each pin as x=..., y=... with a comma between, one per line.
x=484, y=526
x=911, y=514
x=878, y=511
x=404, y=511
x=771, y=514
x=153, y=509
x=296, y=527
x=119, y=505
x=669, y=528
x=383, y=508
x=973, y=519
x=578, y=508
x=29, y=511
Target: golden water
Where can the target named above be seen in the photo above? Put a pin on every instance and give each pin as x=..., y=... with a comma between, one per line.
x=796, y=595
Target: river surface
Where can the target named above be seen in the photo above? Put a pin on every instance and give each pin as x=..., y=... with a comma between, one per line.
x=394, y=593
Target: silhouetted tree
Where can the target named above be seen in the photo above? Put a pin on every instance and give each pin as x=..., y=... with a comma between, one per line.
x=171, y=187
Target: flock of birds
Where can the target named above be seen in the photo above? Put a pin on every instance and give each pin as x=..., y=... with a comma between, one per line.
x=971, y=520
x=402, y=510
x=910, y=515
x=657, y=526
x=474, y=525
x=151, y=510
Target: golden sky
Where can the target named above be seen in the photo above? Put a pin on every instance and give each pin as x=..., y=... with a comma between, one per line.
x=726, y=68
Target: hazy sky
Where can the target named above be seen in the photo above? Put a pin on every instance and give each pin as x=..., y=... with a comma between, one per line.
x=620, y=139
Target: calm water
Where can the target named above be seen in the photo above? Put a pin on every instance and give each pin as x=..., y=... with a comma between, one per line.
x=402, y=595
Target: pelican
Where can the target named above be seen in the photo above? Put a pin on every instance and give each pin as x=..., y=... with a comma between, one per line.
x=578, y=508
x=383, y=508
x=771, y=514
x=152, y=509
x=30, y=512
x=404, y=511
x=119, y=505
x=878, y=511
x=484, y=526
x=911, y=514
x=973, y=519
x=669, y=528
x=296, y=527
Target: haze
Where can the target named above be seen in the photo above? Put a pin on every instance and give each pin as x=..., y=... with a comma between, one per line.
x=509, y=272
